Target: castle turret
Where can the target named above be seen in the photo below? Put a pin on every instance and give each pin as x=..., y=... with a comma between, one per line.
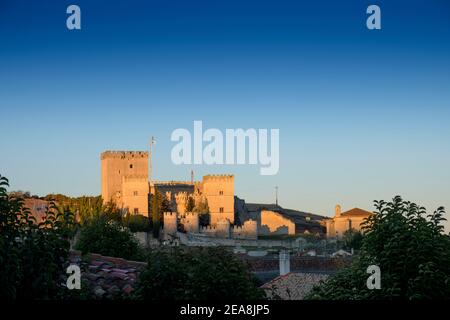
x=170, y=223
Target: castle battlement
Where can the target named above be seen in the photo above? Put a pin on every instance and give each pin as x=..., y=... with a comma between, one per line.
x=123, y=154
x=218, y=177
x=181, y=195
x=170, y=214
x=171, y=183
x=191, y=214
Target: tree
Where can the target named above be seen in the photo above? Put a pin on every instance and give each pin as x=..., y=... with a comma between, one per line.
x=195, y=273
x=33, y=256
x=408, y=246
x=107, y=237
x=190, y=204
x=202, y=209
x=352, y=239
x=156, y=212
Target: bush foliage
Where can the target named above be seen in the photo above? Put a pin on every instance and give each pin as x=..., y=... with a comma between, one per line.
x=33, y=256
x=197, y=274
x=410, y=248
x=108, y=237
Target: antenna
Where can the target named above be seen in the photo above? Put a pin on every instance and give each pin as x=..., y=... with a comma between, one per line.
x=152, y=142
x=276, y=196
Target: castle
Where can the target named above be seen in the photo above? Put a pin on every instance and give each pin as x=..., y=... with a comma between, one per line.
x=125, y=183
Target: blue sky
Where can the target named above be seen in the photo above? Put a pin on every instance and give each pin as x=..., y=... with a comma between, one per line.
x=363, y=115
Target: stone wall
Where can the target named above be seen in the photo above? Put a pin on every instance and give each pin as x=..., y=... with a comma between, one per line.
x=274, y=223
x=249, y=230
x=170, y=223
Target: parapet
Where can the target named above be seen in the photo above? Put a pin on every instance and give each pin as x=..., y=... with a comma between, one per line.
x=218, y=177
x=123, y=154
x=170, y=214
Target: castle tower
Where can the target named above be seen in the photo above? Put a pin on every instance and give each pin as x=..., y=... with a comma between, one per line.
x=219, y=192
x=191, y=222
x=170, y=223
x=124, y=176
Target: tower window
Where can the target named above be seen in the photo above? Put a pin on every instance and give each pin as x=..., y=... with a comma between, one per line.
x=136, y=210
x=220, y=193
x=221, y=209
x=131, y=166
x=135, y=193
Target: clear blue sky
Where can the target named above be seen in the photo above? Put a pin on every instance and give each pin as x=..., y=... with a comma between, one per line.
x=362, y=114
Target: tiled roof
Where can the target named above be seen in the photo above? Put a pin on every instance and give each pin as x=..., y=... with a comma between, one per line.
x=356, y=212
x=292, y=286
x=107, y=277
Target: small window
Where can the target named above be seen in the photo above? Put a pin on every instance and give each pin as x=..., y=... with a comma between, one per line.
x=136, y=210
x=135, y=193
x=221, y=209
x=131, y=166
x=220, y=193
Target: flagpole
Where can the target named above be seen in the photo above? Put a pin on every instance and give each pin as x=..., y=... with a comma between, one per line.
x=152, y=140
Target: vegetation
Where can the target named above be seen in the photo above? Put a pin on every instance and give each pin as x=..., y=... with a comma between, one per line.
x=157, y=201
x=211, y=273
x=32, y=255
x=410, y=248
x=137, y=223
x=190, y=205
x=352, y=239
x=107, y=237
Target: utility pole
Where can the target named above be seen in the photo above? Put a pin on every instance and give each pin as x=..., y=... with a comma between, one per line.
x=276, y=195
x=152, y=142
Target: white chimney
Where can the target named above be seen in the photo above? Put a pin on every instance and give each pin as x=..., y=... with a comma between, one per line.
x=285, y=263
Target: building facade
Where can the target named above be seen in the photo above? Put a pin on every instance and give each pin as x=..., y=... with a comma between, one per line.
x=344, y=221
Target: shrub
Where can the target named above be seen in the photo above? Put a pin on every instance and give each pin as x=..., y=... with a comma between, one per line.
x=108, y=237
x=410, y=248
x=32, y=256
x=137, y=223
x=197, y=274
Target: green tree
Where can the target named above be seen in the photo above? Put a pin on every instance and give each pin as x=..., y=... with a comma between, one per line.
x=190, y=204
x=410, y=248
x=203, y=212
x=33, y=256
x=210, y=273
x=156, y=212
x=352, y=239
x=105, y=236
x=137, y=223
